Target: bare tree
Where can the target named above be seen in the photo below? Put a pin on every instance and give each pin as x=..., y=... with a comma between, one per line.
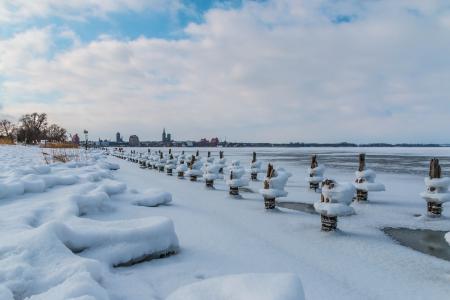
x=32, y=128
x=7, y=129
x=54, y=133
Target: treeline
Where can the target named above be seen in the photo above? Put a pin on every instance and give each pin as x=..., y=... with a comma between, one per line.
x=31, y=129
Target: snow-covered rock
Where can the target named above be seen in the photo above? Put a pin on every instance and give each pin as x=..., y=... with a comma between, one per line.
x=243, y=287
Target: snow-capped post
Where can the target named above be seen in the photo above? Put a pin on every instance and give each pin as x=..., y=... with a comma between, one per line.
x=365, y=180
x=209, y=158
x=274, y=186
x=361, y=195
x=211, y=173
x=437, y=191
x=170, y=164
x=269, y=200
x=194, y=169
x=181, y=168
x=255, y=168
x=334, y=202
x=315, y=174
x=235, y=180
x=222, y=161
x=159, y=164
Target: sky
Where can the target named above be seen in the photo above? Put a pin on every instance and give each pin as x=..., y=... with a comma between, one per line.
x=259, y=71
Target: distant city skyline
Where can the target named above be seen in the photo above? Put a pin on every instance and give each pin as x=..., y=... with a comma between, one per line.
x=258, y=71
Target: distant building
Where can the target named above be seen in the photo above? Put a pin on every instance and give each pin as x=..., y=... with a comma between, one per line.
x=76, y=139
x=166, y=137
x=134, y=141
x=118, y=138
x=214, y=142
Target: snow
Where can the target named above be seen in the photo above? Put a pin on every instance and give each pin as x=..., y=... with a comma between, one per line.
x=440, y=194
x=365, y=180
x=234, y=175
x=315, y=174
x=216, y=236
x=51, y=247
x=447, y=237
x=277, y=184
x=243, y=287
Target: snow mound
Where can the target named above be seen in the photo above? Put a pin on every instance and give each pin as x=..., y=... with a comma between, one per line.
x=151, y=198
x=119, y=242
x=243, y=287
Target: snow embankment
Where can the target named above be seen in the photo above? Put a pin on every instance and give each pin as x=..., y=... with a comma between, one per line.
x=243, y=287
x=48, y=251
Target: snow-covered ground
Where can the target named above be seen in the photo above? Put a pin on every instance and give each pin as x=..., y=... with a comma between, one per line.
x=64, y=227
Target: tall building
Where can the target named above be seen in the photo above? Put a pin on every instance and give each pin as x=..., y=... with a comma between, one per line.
x=134, y=141
x=118, y=138
x=164, y=137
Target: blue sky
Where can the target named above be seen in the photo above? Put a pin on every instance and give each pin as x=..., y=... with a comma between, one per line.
x=283, y=70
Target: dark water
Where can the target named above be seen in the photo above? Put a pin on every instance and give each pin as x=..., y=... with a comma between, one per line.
x=304, y=207
x=431, y=242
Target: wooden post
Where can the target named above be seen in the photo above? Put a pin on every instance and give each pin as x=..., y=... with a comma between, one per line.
x=221, y=156
x=254, y=175
x=169, y=170
x=362, y=162
x=329, y=223
x=234, y=191
x=434, y=209
x=191, y=165
x=361, y=195
x=161, y=168
x=314, y=164
x=269, y=202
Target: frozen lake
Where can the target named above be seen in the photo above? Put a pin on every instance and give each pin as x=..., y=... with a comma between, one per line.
x=385, y=160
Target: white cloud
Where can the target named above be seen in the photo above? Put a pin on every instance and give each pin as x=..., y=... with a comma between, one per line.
x=16, y=11
x=274, y=71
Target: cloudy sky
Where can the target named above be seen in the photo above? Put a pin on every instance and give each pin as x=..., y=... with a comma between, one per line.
x=285, y=70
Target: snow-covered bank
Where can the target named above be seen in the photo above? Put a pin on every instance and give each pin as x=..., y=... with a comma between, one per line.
x=51, y=247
